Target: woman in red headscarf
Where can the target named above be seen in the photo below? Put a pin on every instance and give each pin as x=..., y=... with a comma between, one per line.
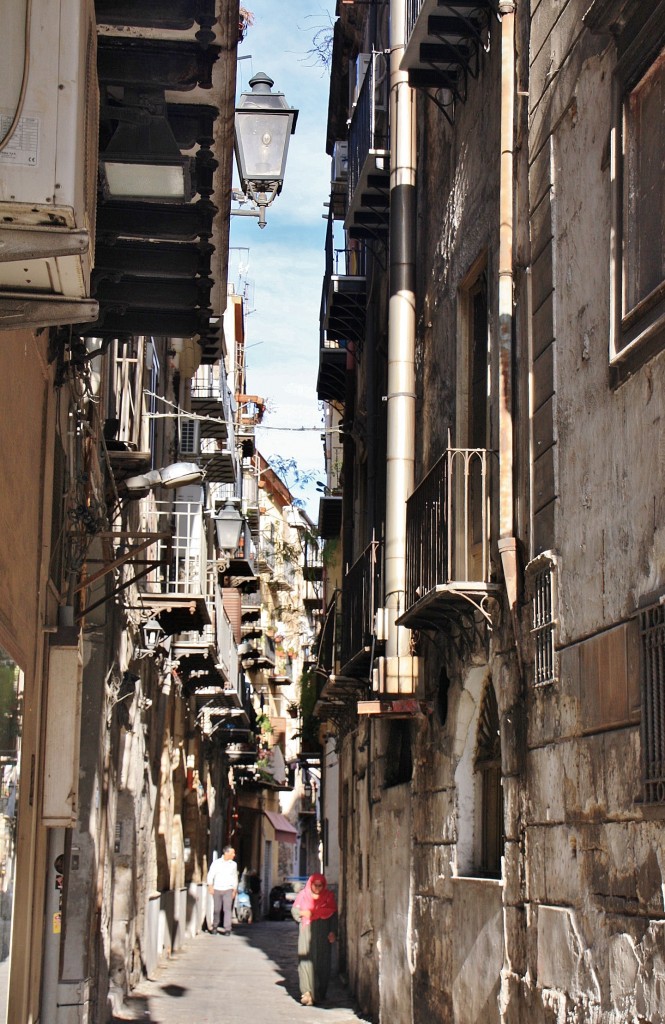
x=316, y=911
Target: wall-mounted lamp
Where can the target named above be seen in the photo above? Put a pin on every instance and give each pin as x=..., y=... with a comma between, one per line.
x=178, y=474
x=152, y=635
x=143, y=161
x=264, y=123
x=228, y=527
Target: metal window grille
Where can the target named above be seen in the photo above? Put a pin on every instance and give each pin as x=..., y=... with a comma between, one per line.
x=543, y=626
x=652, y=631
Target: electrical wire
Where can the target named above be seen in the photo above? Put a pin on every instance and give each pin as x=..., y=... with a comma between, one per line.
x=4, y=142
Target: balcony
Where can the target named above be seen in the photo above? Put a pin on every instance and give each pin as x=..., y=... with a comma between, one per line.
x=344, y=303
x=250, y=494
x=369, y=154
x=219, y=462
x=361, y=596
x=209, y=399
x=331, y=381
x=265, y=556
x=258, y=653
x=178, y=590
x=242, y=566
x=448, y=530
x=444, y=41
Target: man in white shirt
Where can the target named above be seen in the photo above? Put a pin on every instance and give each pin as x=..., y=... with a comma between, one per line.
x=223, y=887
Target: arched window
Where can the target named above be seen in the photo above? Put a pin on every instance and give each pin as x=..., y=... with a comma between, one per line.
x=487, y=765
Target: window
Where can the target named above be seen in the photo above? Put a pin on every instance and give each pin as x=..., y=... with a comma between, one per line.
x=473, y=390
x=488, y=768
x=542, y=579
x=652, y=632
x=638, y=328
x=399, y=765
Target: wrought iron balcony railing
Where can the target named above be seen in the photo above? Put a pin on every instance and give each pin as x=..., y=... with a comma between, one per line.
x=361, y=596
x=443, y=43
x=369, y=153
x=344, y=300
x=210, y=400
x=448, y=533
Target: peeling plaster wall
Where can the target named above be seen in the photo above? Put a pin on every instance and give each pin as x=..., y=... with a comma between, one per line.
x=593, y=863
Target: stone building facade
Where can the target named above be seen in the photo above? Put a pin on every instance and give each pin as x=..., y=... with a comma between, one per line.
x=500, y=771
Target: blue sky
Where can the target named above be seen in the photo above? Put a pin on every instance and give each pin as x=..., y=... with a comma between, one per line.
x=285, y=262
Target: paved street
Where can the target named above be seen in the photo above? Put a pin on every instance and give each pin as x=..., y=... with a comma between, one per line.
x=249, y=976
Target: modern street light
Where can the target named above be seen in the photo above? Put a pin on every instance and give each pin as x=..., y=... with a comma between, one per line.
x=264, y=123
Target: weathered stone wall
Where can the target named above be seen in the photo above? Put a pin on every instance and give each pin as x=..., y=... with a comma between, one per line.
x=593, y=864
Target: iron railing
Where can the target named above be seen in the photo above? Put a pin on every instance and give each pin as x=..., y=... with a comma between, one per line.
x=360, y=598
x=328, y=641
x=652, y=630
x=448, y=523
x=469, y=18
x=368, y=131
x=185, y=571
x=543, y=626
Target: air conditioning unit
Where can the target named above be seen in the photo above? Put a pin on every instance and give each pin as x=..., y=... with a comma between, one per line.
x=49, y=118
x=190, y=437
x=340, y=161
x=363, y=63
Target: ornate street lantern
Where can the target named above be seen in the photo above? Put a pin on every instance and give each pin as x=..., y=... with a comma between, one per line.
x=264, y=123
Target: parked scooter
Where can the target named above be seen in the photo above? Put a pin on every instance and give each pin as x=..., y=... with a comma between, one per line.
x=243, y=907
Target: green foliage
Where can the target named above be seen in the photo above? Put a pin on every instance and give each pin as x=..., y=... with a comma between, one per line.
x=9, y=708
x=308, y=698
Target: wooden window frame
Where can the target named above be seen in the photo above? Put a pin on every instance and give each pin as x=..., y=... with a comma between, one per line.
x=637, y=334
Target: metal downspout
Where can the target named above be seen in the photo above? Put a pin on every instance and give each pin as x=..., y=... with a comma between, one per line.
x=401, y=398
x=507, y=539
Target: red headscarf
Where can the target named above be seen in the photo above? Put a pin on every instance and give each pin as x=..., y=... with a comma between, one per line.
x=321, y=908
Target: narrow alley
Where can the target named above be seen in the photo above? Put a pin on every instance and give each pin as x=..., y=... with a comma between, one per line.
x=251, y=975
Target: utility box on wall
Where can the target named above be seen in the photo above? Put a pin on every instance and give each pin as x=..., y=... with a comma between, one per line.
x=63, y=732
x=49, y=122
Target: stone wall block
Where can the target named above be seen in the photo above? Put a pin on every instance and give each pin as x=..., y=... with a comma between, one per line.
x=534, y=860
x=547, y=784
x=511, y=807
x=563, y=868
x=434, y=817
x=515, y=938
x=432, y=957
x=512, y=878
x=622, y=770
x=432, y=870
x=564, y=963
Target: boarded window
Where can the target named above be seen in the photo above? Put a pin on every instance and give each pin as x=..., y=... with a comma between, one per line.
x=609, y=679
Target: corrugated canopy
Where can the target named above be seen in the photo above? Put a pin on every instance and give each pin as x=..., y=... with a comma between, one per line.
x=284, y=830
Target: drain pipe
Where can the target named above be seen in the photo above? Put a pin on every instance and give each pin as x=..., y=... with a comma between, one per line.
x=401, y=397
x=507, y=539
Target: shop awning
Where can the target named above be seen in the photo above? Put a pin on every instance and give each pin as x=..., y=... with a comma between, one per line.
x=284, y=830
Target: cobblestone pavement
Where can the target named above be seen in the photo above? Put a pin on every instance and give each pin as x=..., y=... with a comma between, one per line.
x=249, y=976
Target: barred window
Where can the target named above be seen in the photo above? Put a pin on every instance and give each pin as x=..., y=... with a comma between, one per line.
x=543, y=624
x=652, y=630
